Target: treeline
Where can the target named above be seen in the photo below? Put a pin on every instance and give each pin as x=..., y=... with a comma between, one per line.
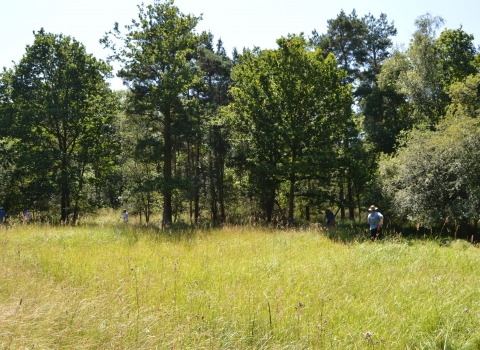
x=337, y=120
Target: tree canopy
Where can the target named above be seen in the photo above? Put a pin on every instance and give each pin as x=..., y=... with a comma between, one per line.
x=337, y=120
x=159, y=69
x=292, y=108
x=59, y=115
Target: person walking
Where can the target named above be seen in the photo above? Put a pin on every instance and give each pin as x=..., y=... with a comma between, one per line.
x=375, y=220
x=27, y=216
x=3, y=215
x=330, y=217
x=124, y=216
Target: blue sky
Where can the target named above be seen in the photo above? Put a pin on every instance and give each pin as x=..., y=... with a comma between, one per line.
x=240, y=23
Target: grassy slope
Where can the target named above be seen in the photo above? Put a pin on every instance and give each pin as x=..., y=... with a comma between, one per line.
x=117, y=286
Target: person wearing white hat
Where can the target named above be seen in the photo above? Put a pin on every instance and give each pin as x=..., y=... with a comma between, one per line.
x=375, y=220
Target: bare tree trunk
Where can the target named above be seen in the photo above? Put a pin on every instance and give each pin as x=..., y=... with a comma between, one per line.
x=359, y=208
x=167, y=170
x=147, y=209
x=80, y=188
x=196, y=199
x=221, y=195
x=291, y=199
x=65, y=192
x=190, y=176
x=213, y=192
x=341, y=197
x=270, y=204
x=351, y=207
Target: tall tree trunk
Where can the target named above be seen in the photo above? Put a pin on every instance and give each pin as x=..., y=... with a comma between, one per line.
x=213, y=192
x=97, y=187
x=219, y=151
x=79, y=195
x=270, y=203
x=190, y=203
x=291, y=199
x=351, y=204
x=221, y=190
x=167, y=169
x=359, y=207
x=147, y=209
x=196, y=198
x=65, y=191
x=191, y=174
x=475, y=228
x=293, y=178
x=64, y=204
x=341, y=197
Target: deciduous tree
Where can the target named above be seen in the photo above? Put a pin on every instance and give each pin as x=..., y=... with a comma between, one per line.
x=60, y=114
x=456, y=53
x=292, y=107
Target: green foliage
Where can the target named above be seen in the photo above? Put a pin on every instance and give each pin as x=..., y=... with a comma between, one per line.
x=422, y=82
x=435, y=175
x=289, y=109
x=476, y=62
x=158, y=56
x=139, y=163
x=212, y=134
x=386, y=113
x=465, y=98
x=279, y=137
x=457, y=53
x=424, y=72
x=345, y=39
x=59, y=114
x=432, y=177
x=361, y=45
x=377, y=43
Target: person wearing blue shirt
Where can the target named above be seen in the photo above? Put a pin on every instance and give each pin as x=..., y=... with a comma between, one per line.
x=3, y=215
x=375, y=220
x=27, y=216
x=124, y=216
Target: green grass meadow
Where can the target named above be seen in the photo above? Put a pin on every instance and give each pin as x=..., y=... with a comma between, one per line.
x=114, y=286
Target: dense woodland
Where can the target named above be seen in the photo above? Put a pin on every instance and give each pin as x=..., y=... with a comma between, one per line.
x=338, y=120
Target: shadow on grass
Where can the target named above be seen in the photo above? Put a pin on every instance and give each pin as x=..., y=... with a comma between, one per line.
x=350, y=232
x=345, y=232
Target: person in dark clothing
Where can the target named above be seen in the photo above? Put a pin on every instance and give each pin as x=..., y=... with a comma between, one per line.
x=27, y=216
x=330, y=217
x=3, y=215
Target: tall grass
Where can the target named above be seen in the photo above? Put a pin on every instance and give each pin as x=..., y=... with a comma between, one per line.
x=130, y=287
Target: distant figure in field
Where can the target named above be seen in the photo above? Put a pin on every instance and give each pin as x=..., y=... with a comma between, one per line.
x=124, y=216
x=375, y=220
x=27, y=216
x=3, y=215
x=330, y=218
